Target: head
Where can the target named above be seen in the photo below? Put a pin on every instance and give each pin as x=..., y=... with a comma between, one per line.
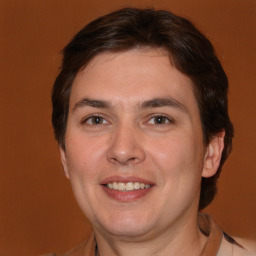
x=189, y=51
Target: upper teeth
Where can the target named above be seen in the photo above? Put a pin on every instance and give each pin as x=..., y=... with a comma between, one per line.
x=127, y=186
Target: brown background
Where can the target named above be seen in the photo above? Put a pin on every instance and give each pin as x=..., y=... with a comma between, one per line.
x=37, y=210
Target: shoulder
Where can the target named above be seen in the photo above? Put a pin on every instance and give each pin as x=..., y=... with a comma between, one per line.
x=85, y=248
x=76, y=251
x=249, y=245
x=237, y=247
x=49, y=254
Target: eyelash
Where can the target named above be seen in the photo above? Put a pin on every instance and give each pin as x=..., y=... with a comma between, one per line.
x=167, y=120
x=102, y=121
x=86, y=120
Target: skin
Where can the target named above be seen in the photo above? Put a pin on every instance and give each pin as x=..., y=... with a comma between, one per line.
x=133, y=135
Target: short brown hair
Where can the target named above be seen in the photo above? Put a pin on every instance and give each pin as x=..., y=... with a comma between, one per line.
x=190, y=52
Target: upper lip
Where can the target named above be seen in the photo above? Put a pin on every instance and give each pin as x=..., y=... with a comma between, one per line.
x=125, y=180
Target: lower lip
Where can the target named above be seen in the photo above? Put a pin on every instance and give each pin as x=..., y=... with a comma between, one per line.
x=126, y=196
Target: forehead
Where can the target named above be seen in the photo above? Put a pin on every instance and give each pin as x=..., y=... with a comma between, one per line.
x=134, y=75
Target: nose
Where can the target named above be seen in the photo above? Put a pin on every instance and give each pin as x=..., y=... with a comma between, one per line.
x=126, y=146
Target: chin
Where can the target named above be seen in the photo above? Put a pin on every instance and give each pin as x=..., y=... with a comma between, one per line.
x=127, y=226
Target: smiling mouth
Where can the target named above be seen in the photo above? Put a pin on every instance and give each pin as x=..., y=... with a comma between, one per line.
x=129, y=186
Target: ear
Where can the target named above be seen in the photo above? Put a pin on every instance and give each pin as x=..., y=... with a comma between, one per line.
x=213, y=155
x=64, y=161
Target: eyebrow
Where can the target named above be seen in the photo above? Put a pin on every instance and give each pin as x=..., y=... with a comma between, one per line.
x=163, y=102
x=91, y=103
x=153, y=103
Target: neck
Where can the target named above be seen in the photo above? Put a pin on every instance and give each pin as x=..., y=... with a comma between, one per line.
x=183, y=238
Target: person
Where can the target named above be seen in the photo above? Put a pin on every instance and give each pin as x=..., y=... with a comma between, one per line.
x=140, y=115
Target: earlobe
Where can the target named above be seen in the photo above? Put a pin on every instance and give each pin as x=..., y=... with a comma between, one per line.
x=64, y=162
x=213, y=155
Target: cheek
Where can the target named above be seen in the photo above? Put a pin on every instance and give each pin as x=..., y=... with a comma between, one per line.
x=85, y=160
x=177, y=157
x=84, y=155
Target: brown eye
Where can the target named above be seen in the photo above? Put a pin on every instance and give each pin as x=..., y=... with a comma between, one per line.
x=95, y=120
x=158, y=120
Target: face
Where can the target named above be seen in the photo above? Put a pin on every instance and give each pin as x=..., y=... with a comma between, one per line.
x=134, y=144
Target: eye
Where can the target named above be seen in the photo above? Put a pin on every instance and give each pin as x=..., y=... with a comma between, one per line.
x=160, y=120
x=94, y=120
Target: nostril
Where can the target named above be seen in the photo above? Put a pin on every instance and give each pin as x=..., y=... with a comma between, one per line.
x=124, y=161
x=125, y=148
